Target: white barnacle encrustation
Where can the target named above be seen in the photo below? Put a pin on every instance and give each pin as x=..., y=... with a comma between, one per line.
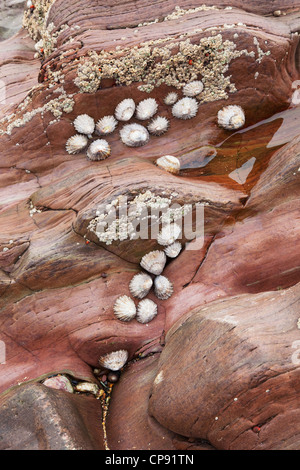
x=154, y=262
x=39, y=45
x=146, y=109
x=125, y=110
x=114, y=360
x=84, y=124
x=106, y=125
x=171, y=98
x=193, y=88
x=163, y=288
x=186, y=108
x=159, y=125
x=98, y=150
x=169, y=163
x=146, y=311
x=76, y=143
x=168, y=234
x=140, y=285
x=124, y=308
x=231, y=117
x=134, y=135
x=172, y=251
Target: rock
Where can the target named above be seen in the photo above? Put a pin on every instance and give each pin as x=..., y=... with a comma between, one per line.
x=129, y=426
x=59, y=382
x=34, y=417
x=11, y=14
x=231, y=367
x=59, y=278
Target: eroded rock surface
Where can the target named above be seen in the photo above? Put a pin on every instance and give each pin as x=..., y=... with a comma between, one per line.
x=229, y=331
x=39, y=418
x=236, y=365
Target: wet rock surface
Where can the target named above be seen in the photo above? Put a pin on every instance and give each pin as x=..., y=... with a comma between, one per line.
x=11, y=15
x=229, y=331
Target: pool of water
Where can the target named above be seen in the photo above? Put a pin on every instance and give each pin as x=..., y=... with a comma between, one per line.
x=239, y=160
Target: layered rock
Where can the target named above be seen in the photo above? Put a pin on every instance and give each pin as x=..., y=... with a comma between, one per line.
x=236, y=295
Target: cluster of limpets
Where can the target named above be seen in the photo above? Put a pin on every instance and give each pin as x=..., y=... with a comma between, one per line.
x=136, y=135
x=85, y=125
x=140, y=285
x=230, y=117
x=133, y=134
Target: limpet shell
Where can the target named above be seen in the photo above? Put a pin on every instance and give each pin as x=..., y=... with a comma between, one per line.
x=146, y=311
x=84, y=124
x=158, y=126
x=124, y=308
x=146, y=109
x=140, y=285
x=114, y=360
x=172, y=251
x=186, y=108
x=87, y=387
x=168, y=234
x=59, y=382
x=76, y=143
x=169, y=163
x=106, y=125
x=134, y=135
x=125, y=110
x=231, y=117
x=154, y=262
x=171, y=98
x=98, y=150
x=193, y=88
x=163, y=288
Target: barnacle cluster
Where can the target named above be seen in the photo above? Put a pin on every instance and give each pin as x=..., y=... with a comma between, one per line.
x=165, y=61
x=49, y=38
x=35, y=18
x=117, y=221
x=64, y=103
x=178, y=13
